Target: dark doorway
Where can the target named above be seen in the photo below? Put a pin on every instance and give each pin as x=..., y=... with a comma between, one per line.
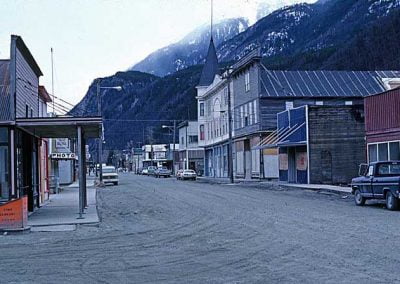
x=292, y=165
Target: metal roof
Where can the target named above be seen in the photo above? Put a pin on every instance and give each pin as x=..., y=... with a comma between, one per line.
x=210, y=68
x=323, y=83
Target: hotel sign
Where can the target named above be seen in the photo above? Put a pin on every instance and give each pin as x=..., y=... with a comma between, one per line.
x=63, y=156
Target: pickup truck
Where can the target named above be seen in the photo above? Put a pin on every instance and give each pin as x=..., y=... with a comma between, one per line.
x=378, y=180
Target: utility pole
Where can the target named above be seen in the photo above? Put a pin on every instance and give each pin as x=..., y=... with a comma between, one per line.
x=101, y=137
x=186, y=146
x=230, y=152
x=173, y=152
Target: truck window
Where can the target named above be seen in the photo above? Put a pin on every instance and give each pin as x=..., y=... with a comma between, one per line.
x=389, y=169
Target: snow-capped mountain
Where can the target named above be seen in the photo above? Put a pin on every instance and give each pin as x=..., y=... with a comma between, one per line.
x=191, y=49
x=329, y=35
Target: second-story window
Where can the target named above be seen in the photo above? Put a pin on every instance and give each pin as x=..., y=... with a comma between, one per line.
x=226, y=96
x=202, y=132
x=201, y=109
x=247, y=81
x=26, y=111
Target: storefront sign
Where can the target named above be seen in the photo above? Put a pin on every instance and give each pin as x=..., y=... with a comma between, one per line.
x=63, y=156
x=62, y=143
x=14, y=214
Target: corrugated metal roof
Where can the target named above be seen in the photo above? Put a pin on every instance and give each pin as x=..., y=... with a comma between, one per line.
x=5, y=113
x=323, y=83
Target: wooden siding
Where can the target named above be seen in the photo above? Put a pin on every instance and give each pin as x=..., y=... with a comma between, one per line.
x=27, y=84
x=270, y=107
x=382, y=112
x=336, y=143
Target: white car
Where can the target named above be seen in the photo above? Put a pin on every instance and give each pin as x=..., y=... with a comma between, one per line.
x=110, y=175
x=188, y=174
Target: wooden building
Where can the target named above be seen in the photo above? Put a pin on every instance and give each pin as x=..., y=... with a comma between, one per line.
x=382, y=125
x=320, y=144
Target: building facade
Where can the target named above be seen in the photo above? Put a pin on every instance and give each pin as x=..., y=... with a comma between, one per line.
x=191, y=156
x=382, y=125
x=320, y=144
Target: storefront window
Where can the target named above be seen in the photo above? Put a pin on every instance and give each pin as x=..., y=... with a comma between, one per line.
x=383, y=152
x=372, y=153
x=4, y=164
x=394, y=151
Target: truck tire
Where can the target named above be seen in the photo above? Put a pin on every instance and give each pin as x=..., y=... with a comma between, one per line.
x=391, y=201
x=358, y=198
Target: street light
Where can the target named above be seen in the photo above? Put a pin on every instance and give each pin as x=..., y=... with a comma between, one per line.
x=99, y=111
x=173, y=128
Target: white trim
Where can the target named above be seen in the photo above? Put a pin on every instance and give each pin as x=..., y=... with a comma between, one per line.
x=377, y=151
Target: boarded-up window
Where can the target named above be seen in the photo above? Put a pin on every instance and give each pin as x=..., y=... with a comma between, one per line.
x=283, y=162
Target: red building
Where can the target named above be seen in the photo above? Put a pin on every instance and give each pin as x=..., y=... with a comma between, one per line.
x=382, y=125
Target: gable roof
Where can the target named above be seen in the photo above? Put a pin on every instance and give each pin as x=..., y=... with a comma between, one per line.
x=323, y=83
x=20, y=44
x=210, y=67
x=44, y=94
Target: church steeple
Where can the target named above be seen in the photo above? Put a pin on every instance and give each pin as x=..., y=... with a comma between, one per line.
x=210, y=68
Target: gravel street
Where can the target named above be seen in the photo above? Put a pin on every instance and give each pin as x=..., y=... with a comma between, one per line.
x=164, y=230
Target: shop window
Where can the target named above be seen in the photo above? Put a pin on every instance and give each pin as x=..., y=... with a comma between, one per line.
x=383, y=152
x=4, y=165
x=373, y=153
x=394, y=150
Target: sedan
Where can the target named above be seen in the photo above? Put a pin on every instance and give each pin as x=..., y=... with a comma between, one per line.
x=188, y=174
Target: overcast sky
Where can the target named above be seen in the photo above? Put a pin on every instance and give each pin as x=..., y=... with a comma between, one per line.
x=94, y=38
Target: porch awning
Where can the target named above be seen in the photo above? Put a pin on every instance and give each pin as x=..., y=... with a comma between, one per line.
x=278, y=138
x=61, y=127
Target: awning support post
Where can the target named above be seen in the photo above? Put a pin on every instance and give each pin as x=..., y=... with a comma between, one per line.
x=85, y=205
x=80, y=170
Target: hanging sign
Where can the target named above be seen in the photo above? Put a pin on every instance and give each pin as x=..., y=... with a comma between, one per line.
x=63, y=156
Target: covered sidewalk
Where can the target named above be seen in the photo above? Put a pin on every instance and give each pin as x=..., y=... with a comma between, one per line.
x=62, y=208
x=80, y=128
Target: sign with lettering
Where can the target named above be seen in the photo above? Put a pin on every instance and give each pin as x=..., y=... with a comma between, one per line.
x=62, y=143
x=63, y=156
x=14, y=214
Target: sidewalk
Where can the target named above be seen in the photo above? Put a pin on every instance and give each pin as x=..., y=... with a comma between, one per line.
x=63, y=208
x=262, y=183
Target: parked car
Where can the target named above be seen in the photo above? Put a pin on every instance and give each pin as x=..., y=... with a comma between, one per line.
x=178, y=174
x=110, y=175
x=188, y=174
x=162, y=172
x=378, y=180
x=151, y=170
x=145, y=171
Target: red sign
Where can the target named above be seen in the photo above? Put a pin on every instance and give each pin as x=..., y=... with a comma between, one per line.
x=14, y=214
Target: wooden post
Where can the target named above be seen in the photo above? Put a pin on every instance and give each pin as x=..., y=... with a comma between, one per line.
x=80, y=170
